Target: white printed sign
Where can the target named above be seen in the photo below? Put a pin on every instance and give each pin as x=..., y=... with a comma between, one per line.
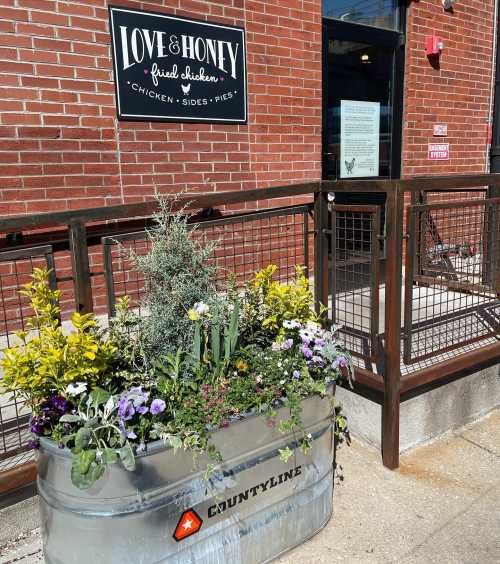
x=359, y=138
x=438, y=152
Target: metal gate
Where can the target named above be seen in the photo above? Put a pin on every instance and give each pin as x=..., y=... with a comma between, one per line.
x=452, y=281
x=16, y=267
x=355, y=277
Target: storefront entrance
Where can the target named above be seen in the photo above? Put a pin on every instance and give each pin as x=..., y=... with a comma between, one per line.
x=363, y=64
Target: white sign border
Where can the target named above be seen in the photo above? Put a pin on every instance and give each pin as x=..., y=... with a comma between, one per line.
x=198, y=22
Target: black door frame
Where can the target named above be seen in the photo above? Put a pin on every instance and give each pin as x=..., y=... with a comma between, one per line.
x=347, y=31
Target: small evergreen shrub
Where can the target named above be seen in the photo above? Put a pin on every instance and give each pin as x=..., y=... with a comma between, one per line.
x=178, y=274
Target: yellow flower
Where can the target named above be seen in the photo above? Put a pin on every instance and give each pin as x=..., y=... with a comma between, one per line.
x=241, y=366
x=193, y=315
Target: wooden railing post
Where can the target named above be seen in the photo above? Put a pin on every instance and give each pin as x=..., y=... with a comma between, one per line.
x=81, y=270
x=321, y=236
x=393, y=287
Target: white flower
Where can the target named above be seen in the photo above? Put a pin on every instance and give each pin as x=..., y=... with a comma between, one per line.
x=306, y=335
x=201, y=308
x=258, y=379
x=76, y=389
x=291, y=324
x=276, y=346
x=282, y=382
x=313, y=327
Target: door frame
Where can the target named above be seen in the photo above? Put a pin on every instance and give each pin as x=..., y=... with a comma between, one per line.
x=347, y=31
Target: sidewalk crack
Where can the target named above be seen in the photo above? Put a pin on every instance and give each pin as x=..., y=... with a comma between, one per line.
x=497, y=455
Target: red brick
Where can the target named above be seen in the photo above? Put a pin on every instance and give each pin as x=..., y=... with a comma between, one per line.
x=49, y=18
x=20, y=119
x=40, y=132
x=73, y=96
x=14, y=15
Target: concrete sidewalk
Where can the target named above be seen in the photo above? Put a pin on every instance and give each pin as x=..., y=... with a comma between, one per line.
x=442, y=505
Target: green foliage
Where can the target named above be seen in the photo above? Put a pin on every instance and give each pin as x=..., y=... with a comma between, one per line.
x=173, y=381
x=47, y=359
x=95, y=441
x=125, y=332
x=267, y=303
x=216, y=337
x=177, y=275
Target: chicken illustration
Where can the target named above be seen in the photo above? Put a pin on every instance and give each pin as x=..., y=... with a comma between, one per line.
x=350, y=165
x=186, y=89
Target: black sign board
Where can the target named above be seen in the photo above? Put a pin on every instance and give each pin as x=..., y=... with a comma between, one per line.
x=169, y=68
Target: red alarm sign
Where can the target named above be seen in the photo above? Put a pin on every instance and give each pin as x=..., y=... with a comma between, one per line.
x=438, y=152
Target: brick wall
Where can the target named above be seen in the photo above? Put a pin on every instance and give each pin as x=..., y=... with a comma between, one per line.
x=456, y=92
x=61, y=146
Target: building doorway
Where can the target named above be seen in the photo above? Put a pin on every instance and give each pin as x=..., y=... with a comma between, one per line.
x=363, y=70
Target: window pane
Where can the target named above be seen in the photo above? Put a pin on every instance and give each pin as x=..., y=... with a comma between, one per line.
x=361, y=72
x=377, y=13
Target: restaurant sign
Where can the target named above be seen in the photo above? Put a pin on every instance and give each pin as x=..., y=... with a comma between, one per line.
x=169, y=68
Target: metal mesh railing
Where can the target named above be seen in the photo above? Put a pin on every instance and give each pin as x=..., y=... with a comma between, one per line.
x=452, y=274
x=451, y=291
x=355, y=277
x=245, y=244
x=15, y=270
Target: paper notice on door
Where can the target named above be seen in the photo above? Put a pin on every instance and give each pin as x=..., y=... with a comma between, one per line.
x=359, y=138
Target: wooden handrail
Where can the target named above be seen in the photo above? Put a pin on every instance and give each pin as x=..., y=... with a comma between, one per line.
x=143, y=209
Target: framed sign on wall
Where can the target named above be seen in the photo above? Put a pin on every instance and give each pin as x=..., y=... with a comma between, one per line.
x=170, y=68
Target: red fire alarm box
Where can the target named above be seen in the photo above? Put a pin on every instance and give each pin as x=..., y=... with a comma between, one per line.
x=433, y=46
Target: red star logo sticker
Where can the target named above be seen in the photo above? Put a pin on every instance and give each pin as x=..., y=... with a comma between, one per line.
x=189, y=524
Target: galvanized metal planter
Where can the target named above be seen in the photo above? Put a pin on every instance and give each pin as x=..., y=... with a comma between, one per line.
x=166, y=511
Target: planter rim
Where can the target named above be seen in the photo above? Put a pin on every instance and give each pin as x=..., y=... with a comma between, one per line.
x=159, y=445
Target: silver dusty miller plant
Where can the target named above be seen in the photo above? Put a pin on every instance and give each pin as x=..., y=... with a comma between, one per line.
x=177, y=275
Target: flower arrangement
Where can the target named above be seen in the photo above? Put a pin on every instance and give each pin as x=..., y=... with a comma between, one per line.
x=106, y=394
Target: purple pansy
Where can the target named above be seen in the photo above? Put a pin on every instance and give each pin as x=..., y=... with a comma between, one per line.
x=157, y=406
x=36, y=426
x=60, y=404
x=33, y=444
x=51, y=411
x=340, y=361
x=125, y=409
x=306, y=351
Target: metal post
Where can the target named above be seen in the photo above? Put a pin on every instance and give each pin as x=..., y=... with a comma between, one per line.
x=81, y=270
x=321, y=290
x=491, y=267
x=393, y=285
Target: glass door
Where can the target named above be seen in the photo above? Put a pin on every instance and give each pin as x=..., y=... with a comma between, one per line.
x=362, y=101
